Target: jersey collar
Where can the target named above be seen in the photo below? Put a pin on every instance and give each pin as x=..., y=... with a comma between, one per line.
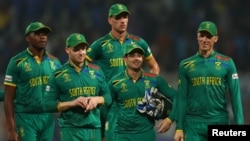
x=127, y=34
x=31, y=54
x=211, y=55
x=129, y=77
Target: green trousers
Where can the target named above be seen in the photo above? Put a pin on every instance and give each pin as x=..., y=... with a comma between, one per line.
x=35, y=127
x=80, y=134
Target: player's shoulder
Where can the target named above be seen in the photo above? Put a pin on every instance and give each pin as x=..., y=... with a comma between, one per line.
x=118, y=78
x=20, y=56
x=134, y=37
x=222, y=57
x=152, y=77
x=93, y=66
x=101, y=40
x=189, y=60
x=149, y=74
x=63, y=69
x=51, y=56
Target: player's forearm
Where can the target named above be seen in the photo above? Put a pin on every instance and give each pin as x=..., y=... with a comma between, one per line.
x=11, y=126
x=101, y=100
x=62, y=106
x=180, y=112
x=153, y=65
x=9, y=115
x=238, y=113
x=107, y=99
x=155, y=69
x=97, y=100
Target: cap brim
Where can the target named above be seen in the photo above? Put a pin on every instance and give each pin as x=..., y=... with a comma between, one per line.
x=85, y=43
x=136, y=50
x=121, y=13
x=203, y=30
x=46, y=29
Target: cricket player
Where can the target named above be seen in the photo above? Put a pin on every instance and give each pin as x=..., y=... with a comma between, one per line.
x=25, y=80
x=127, y=89
x=77, y=90
x=107, y=52
x=204, y=81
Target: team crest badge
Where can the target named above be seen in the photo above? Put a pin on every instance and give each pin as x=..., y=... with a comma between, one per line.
x=66, y=77
x=124, y=87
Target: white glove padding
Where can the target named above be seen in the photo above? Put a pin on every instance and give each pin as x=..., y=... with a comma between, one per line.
x=154, y=104
x=141, y=106
x=148, y=104
x=153, y=91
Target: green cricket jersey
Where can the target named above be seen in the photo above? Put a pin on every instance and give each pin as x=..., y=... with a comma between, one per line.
x=126, y=93
x=1, y=95
x=202, y=89
x=66, y=84
x=30, y=76
x=107, y=52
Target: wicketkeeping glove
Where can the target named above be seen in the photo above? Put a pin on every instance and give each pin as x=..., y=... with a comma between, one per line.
x=154, y=104
x=143, y=105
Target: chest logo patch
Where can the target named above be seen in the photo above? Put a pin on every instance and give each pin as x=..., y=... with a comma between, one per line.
x=147, y=84
x=110, y=47
x=92, y=74
x=217, y=65
x=124, y=87
x=66, y=77
x=27, y=66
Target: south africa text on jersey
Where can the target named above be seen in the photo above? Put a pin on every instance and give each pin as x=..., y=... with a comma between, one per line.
x=197, y=81
x=78, y=91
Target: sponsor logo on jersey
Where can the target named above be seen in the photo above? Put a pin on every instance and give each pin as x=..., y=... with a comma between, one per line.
x=8, y=78
x=47, y=88
x=235, y=76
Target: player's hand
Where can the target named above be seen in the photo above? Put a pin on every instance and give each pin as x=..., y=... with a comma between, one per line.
x=93, y=102
x=81, y=101
x=164, y=125
x=179, y=135
x=13, y=137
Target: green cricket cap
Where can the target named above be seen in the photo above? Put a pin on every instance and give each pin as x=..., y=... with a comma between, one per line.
x=75, y=39
x=34, y=26
x=133, y=48
x=209, y=27
x=117, y=9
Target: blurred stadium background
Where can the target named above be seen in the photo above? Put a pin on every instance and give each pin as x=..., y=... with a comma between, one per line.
x=169, y=26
